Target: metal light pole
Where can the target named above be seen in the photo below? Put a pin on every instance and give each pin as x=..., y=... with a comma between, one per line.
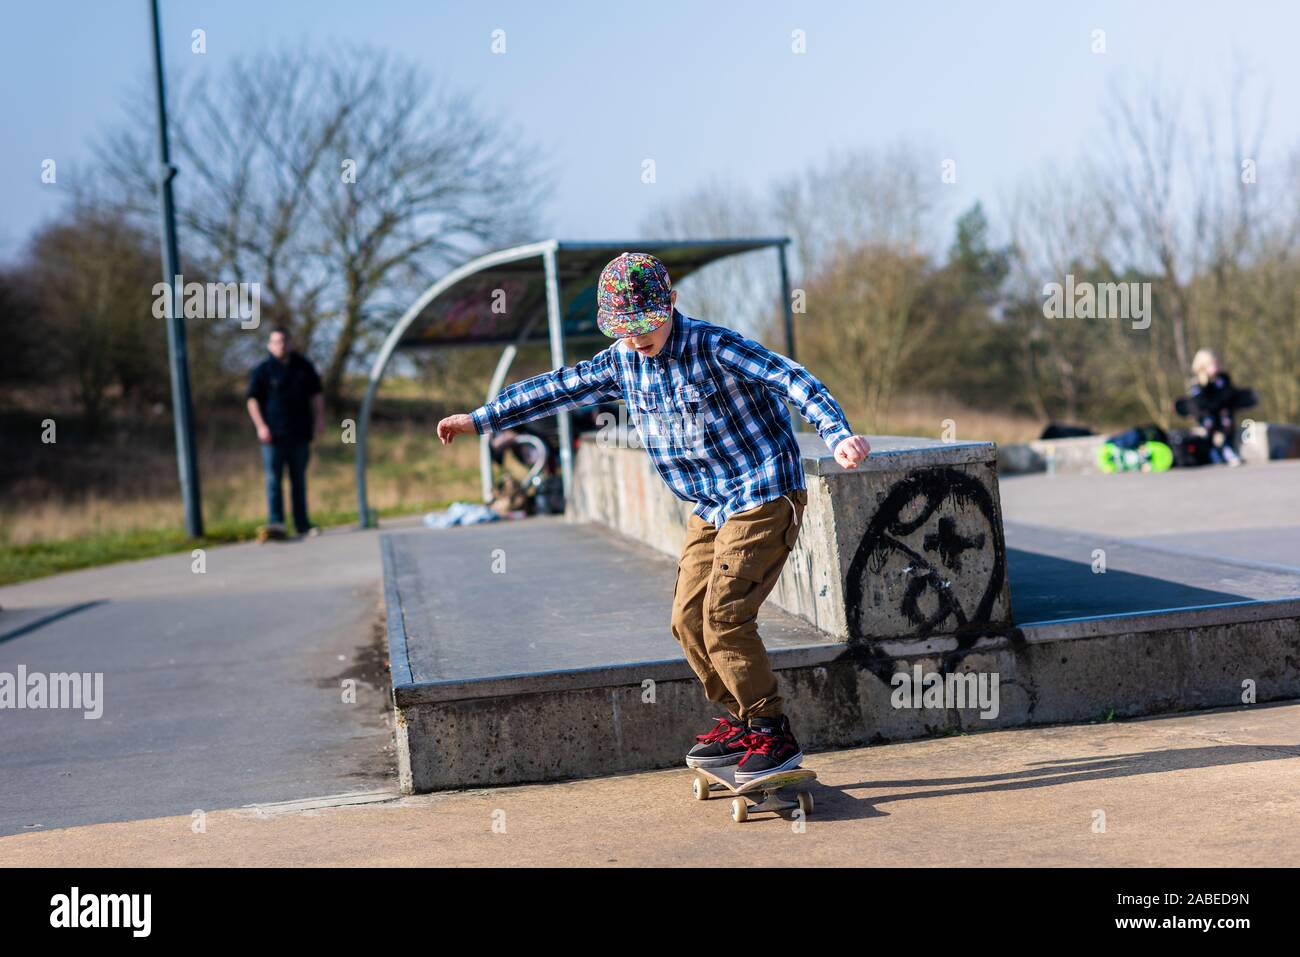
x=787, y=307
x=182, y=407
x=787, y=311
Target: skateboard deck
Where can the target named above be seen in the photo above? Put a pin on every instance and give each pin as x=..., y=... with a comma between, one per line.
x=269, y=533
x=763, y=792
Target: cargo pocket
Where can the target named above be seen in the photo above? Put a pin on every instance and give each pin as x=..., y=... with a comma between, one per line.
x=796, y=501
x=736, y=591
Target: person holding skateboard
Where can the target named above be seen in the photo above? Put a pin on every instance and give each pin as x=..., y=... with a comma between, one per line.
x=708, y=404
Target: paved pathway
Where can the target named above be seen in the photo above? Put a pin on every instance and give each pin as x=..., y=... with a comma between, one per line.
x=1213, y=788
x=219, y=689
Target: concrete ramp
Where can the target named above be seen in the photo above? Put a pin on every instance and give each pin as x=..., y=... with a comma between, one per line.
x=540, y=650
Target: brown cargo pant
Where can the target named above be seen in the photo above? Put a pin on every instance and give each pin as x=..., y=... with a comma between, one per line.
x=723, y=576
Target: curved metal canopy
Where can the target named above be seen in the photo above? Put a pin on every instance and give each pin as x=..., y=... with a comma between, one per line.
x=497, y=301
x=500, y=298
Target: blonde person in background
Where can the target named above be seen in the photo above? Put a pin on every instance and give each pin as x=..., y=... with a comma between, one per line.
x=1215, y=400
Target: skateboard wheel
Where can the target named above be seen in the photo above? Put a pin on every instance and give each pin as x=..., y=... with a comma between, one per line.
x=700, y=788
x=805, y=803
x=739, y=810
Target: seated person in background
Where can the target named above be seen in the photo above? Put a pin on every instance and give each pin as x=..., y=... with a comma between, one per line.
x=1215, y=400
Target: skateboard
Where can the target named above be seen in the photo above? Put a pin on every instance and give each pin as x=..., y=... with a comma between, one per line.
x=724, y=779
x=271, y=533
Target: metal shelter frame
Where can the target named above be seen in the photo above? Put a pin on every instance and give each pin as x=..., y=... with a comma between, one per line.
x=548, y=251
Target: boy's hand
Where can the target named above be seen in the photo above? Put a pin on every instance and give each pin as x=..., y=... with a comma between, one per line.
x=852, y=451
x=454, y=425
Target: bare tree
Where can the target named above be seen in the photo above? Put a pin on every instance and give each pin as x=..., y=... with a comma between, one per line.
x=865, y=322
x=1185, y=213
x=861, y=222
x=742, y=291
x=340, y=182
x=1056, y=230
x=871, y=197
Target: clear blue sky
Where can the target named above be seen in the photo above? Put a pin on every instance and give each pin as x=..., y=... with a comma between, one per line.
x=1002, y=87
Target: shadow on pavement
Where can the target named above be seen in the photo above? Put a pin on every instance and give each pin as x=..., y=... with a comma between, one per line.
x=1046, y=588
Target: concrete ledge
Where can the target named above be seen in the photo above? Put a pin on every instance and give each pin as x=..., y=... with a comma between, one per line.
x=1266, y=441
x=394, y=619
x=907, y=545
x=1077, y=454
x=565, y=668
x=407, y=692
x=893, y=453
x=1261, y=442
x=647, y=717
x=1227, y=613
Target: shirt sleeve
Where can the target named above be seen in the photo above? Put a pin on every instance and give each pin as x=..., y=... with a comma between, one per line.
x=569, y=387
x=257, y=385
x=313, y=378
x=750, y=360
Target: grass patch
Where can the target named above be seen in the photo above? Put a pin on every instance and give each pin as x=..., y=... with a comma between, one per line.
x=38, y=559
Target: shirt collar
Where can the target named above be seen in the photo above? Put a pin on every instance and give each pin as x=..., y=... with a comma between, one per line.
x=676, y=344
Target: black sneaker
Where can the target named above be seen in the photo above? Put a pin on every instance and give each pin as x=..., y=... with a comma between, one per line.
x=719, y=747
x=771, y=749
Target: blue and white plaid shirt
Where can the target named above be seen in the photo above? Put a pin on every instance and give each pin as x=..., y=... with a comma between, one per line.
x=708, y=407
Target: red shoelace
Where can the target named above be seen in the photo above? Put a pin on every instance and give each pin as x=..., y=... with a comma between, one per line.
x=755, y=743
x=720, y=730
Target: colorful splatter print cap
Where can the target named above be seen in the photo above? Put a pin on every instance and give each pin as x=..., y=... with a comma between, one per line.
x=634, y=296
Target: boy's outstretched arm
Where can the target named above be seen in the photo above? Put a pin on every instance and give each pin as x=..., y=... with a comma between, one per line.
x=791, y=381
x=583, y=383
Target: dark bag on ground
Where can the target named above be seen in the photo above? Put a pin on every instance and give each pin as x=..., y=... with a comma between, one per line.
x=1189, y=449
x=1062, y=430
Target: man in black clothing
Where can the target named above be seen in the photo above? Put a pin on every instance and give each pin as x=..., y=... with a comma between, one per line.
x=287, y=407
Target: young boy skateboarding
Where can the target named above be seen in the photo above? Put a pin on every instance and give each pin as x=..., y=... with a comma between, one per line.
x=708, y=405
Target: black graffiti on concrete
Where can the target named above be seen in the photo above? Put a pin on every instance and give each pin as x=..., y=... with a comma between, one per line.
x=927, y=490
x=950, y=543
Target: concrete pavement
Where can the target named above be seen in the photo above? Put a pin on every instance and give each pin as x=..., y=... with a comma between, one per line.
x=1249, y=514
x=1176, y=539
x=1205, y=789
x=223, y=690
